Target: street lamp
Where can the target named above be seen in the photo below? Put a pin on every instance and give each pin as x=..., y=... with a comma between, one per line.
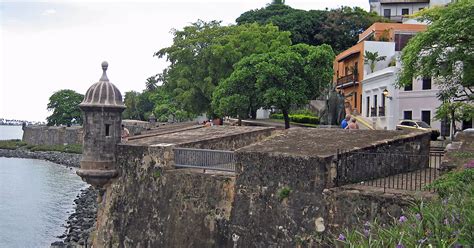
x=385, y=93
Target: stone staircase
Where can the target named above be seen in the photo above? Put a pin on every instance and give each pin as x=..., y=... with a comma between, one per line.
x=364, y=124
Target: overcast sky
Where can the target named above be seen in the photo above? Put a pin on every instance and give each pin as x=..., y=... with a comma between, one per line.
x=49, y=46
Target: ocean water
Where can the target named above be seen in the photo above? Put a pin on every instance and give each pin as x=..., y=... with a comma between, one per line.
x=36, y=198
x=10, y=132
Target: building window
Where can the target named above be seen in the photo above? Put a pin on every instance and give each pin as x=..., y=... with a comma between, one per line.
x=405, y=12
x=107, y=129
x=407, y=115
x=427, y=83
x=368, y=107
x=387, y=13
x=426, y=116
x=355, y=100
x=375, y=106
x=360, y=107
x=401, y=41
x=408, y=87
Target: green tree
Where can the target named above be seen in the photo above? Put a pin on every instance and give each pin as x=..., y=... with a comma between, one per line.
x=151, y=83
x=278, y=2
x=371, y=58
x=338, y=27
x=271, y=79
x=281, y=81
x=203, y=55
x=65, y=107
x=317, y=66
x=445, y=51
x=166, y=108
x=131, y=102
x=238, y=95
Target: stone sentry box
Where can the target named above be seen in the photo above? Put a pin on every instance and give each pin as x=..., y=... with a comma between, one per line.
x=102, y=109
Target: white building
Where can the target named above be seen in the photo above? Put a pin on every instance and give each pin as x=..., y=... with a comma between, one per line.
x=418, y=102
x=399, y=10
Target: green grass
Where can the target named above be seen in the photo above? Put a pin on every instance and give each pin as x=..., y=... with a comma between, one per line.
x=15, y=144
x=11, y=144
x=463, y=154
x=72, y=148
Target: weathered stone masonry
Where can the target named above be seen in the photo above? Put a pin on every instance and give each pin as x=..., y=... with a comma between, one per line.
x=151, y=204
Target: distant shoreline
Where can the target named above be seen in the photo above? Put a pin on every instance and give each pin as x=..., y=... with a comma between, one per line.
x=66, y=159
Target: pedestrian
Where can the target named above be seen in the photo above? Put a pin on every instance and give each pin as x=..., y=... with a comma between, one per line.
x=125, y=133
x=353, y=124
x=345, y=122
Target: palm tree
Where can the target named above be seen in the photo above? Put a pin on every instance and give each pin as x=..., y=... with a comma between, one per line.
x=150, y=83
x=372, y=58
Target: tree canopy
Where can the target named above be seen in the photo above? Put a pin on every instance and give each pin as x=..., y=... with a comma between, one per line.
x=280, y=79
x=444, y=51
x=204, y=53
x=337, y=27
x=65, y=107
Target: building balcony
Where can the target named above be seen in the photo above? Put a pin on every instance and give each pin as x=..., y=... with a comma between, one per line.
x=397, y=18
x=404, y=1
x=382, y=111
x=347, y=81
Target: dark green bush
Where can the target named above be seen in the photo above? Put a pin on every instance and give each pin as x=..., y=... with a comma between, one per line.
x=298, y=118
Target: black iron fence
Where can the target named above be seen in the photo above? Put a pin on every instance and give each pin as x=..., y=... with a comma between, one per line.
x=387, y=170
x=204, y=159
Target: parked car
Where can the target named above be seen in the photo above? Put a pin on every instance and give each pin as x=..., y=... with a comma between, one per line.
x=418, y=125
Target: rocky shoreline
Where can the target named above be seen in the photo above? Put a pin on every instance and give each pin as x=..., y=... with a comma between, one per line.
x=81, y=222
x=67, y=159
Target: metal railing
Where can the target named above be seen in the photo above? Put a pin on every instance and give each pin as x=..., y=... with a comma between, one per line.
x=204, y=159
x=382, y=111
x=373, y=111
x=387, y=170
x=347, y=80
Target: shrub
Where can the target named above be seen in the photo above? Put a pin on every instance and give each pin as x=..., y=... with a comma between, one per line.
x=447, y=221
x=298, y=118
x=11, y=144
x=284, y=193
x=302, y=112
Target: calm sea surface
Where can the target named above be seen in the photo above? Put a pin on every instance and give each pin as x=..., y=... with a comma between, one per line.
x=36, y=198
x=10, y=132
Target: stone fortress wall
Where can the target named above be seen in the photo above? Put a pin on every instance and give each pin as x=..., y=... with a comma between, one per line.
x=152, y=204
x=53, y=135
x=49, y=135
